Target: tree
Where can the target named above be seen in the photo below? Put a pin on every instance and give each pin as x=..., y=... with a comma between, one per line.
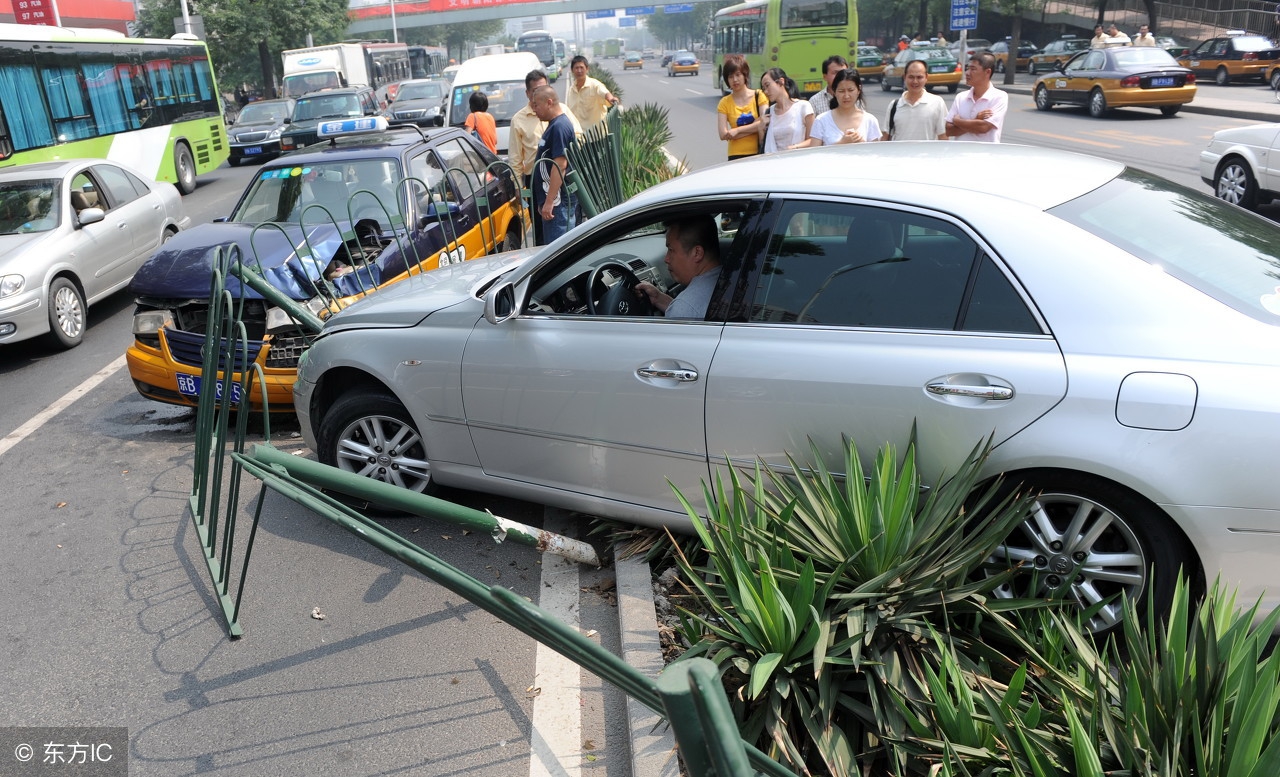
x=1017, y=9
x=246, y=36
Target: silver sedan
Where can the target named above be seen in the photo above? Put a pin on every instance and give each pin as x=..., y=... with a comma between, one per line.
x=1114, y=334
x=72, y=233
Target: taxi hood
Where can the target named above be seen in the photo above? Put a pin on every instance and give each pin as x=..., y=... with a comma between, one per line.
x=289, y=258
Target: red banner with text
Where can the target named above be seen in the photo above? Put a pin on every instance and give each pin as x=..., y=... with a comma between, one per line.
x=35, y=12
x=426, y=6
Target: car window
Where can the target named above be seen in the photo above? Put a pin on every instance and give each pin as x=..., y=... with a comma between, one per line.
x=120, y=189
x=638, y=245
x=85, y=193
x=430, y=186
x=835, y=264
x=320, y=191
x=1220, y=48
x=465, y=171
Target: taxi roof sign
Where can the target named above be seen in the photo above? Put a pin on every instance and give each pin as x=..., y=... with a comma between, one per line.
x=364, y=124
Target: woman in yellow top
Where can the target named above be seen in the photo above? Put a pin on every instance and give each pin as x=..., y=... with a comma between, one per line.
x=741, y=113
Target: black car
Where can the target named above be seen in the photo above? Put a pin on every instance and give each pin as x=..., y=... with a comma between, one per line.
x=255, y=134
x=348, y=102
x=419, y=102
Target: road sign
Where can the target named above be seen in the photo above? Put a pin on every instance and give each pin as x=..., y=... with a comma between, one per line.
x=964, y=14
x=640, y=10
x=678, y=8
x=606, y=14
x=627, y=21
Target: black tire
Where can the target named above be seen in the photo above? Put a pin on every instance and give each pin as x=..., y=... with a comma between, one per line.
x=999, y=65
x=1043, y=102
x=1088, y=539
x=1169, y=110
x=1097, y=104
x=884, y=86
x=184, y=168
x=1031, y=68
x=369, y=433
x=234, y=161
x=512, y=240
x=1275, y=80
x=67, y=313
x=1234, y=183
x=1221, y=77
x=951, y=89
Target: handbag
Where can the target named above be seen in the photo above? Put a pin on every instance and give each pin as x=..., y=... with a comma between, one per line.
x=761, y=135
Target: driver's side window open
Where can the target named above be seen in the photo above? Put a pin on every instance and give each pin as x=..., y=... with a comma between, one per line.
x=583, y=280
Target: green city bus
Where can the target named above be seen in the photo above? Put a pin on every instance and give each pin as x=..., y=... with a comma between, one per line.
x=795, y=35
x=150, y=104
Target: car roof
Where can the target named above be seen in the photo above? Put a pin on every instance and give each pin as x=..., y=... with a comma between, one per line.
x=392, y=142
x=55, y=169
x=928, y=174
x=336, y=90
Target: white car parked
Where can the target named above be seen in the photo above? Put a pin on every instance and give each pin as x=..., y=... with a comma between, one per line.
x=1241, y=164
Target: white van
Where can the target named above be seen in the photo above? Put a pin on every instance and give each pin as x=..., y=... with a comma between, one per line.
x=501, y=78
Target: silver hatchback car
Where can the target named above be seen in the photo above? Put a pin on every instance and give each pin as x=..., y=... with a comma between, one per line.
x=72, y=233
x=1115, y=334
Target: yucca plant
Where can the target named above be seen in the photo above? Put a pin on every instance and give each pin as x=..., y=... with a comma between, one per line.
x=829, y=600
x=645, y=134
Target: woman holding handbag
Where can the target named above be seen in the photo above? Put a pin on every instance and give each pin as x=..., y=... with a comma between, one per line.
x=740, y=114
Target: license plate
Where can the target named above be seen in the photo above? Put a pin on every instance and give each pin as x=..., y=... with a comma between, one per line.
x=814, y=86
x=189, y=386
x=940, y=69
x=1162, y=82
x=253, y=150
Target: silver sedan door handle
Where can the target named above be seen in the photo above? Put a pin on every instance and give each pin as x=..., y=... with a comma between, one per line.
x=678, y=375
x=978, y=392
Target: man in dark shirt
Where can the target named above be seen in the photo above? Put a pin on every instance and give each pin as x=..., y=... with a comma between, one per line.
x=550, y=197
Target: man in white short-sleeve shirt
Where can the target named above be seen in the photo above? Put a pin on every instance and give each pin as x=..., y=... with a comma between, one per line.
x=917, y=114
x=978, y=114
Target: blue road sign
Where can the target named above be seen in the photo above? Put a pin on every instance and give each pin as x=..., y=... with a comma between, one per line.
x=607, y=14
x=964, y=14
x=627, y=21
x=640, y=10
x=678, y=8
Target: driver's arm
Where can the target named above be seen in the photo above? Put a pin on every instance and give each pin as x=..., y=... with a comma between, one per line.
x=656, y=297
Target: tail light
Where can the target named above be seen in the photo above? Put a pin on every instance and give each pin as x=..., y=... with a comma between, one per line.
x=1191, y=78
x=1129, y=82
x=1250, y=56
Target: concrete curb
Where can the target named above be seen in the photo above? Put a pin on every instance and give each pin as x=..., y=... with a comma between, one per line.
x=653, y=746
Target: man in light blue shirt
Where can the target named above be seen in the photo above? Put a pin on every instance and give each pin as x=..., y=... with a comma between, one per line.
x=693, y=259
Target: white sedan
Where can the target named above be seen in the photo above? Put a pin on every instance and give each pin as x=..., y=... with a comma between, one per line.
x=1241, y=164
x=72, y=233
x=1113, y=333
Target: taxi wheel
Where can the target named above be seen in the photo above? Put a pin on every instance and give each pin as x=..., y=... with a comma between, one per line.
x=1097, y=104
x=66, y=313
x=1222, y=77
x=884, y=86
x=1234, y=183
x=1031, y=68
x=1275, y=80
x=512, y=239
x=1169, y=110
x=999, y=65
x=952, y=88
x=1043, y=103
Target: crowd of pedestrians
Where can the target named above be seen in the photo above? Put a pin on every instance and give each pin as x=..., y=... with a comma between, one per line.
x=774, y=118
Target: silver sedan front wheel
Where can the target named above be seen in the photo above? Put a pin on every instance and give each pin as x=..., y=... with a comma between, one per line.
x=369, y=433
x=1235, y=184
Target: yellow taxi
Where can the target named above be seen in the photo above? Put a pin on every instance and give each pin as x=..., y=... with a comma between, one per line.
x=1235, y=56
x=1127, y=76
x=870, y=63
x=944, y=69
x=1055, y=54
x=633, y=60
x=326, y=226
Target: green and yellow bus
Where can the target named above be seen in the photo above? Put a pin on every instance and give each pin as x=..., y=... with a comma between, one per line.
x=795, y=35
x=151, y=104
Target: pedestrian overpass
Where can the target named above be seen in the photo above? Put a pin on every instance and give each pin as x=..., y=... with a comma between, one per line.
x=398, y=15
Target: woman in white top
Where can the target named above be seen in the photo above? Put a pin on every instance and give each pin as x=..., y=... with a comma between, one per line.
x=789, y=118
x=848, y=121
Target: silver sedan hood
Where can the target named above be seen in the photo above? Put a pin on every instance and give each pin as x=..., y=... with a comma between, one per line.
x=408, y=302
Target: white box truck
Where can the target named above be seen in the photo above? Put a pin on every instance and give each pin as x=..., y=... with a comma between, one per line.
x=344, y=64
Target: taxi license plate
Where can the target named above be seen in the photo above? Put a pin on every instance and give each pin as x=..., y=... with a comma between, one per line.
x=940, y=69
x=253, y=150
x=189, y=386
x=1162, y=81
x=814, y=86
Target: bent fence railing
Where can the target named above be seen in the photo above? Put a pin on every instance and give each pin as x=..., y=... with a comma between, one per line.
x=688, y=694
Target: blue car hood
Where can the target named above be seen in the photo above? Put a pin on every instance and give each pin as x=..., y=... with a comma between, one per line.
x=183, y=266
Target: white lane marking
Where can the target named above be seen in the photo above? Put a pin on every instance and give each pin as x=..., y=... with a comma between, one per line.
x=40, y=419
x=555, y=743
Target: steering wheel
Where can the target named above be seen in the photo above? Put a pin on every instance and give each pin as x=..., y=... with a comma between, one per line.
x=620, y=299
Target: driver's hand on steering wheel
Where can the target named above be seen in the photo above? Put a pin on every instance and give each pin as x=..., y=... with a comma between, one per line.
x=656, y=297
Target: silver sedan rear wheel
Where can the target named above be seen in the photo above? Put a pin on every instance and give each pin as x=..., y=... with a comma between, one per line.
x=1090, y=541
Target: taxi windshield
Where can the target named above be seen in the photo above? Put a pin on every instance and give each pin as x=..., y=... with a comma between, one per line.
x=323, y=193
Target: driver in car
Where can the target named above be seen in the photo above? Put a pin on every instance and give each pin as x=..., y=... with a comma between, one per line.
x=693, y=259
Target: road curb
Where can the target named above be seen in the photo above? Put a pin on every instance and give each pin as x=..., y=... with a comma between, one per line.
x=653, y=746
